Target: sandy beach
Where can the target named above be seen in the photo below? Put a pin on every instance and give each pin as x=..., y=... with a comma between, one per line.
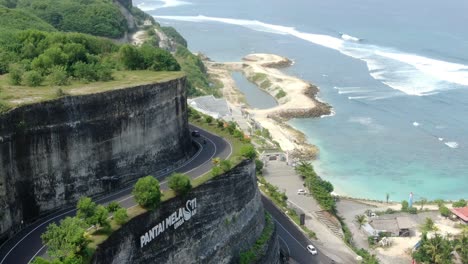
x=298, y=98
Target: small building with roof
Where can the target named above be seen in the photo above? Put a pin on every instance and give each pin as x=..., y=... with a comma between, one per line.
x=461, y=213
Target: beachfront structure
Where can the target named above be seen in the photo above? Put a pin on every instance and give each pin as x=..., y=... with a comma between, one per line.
x=398, y=226
x=461, y=213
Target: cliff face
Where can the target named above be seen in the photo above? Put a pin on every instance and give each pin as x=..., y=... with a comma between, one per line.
x=52, y=153
x=214, y=223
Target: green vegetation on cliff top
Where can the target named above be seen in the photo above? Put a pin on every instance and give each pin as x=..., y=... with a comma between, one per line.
x=14, y=96
x=96, y=17
x=15, y=19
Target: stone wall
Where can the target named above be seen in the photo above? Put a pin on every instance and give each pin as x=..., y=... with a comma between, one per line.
x=228, y=220
x=52, y=153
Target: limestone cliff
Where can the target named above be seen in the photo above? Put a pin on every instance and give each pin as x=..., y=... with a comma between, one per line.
x=52, y=153
x=214, y=223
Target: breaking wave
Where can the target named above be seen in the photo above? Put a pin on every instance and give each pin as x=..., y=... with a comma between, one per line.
x=350, y=38
x=409, y=73
x=151, y=6
x=452, y=144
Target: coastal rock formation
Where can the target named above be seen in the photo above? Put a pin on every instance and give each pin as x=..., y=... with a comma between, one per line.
x=52, y=153
x=221, y=218
x=296, y=98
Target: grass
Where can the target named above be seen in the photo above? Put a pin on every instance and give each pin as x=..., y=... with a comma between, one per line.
x=13, y=96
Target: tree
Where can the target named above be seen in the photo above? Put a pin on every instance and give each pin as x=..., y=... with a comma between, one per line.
x=180, y=183
x=436, y=250
x=100, y=217
x=387, y=196
x=248, y=151
x=459, y=203
x=147, y=192
x=404, y=206
x=361, y=220
x=220, y=123
x=428, y=226
x=113, y=206
x=86, y=209
x=461, y=245
x=121, y=216
x=65, y=240
x=208, y=119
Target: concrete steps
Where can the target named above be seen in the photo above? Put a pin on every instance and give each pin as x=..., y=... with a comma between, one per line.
x=323, y=217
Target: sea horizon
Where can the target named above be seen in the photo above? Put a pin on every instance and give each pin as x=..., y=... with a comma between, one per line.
x=397, y=86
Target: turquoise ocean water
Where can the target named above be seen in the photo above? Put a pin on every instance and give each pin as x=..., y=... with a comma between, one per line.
x=395, y=72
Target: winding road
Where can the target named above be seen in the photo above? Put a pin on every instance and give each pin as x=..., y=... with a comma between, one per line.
x=27, y=244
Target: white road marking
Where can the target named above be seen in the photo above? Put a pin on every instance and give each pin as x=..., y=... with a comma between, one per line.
x=184, y=164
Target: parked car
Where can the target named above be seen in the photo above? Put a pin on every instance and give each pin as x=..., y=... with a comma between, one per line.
x=195, y=133
x=301, y=191
x=312, y=250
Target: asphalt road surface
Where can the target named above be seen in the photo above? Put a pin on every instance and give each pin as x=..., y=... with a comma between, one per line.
x=27, y=244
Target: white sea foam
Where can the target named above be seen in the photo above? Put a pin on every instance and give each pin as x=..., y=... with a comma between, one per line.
x=332, y=113
x=452, y=144
x=350, y=38
x=360, y=97
x=409, y=73
x=161, y=4
x=440, y=139
x=415, y=124
x=353, y=91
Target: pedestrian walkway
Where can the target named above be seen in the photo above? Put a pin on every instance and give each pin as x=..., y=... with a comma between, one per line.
x=280, y=174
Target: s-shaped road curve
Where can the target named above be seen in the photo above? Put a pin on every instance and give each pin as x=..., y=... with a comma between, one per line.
x=27, y=244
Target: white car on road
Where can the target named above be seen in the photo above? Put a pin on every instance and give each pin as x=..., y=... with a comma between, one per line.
x=301, y=191
x=312, y=250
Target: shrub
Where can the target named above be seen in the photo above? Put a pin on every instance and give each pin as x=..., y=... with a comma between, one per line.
x=215, y=171
x=444, y=211
x=180, y=183
x=208, y=119
x=238, y=134
x=280, y=94
x=258, y=166
x=147, y=192
x=459, y=203
x=404, y=206
x=58, y=76
x=412, y=210
x=33, y=78
x=121, y=216
x=225, y=165
x=248, y=151
x=113, y=206
x=220, y=123
x=173, y=34
x=16, y=74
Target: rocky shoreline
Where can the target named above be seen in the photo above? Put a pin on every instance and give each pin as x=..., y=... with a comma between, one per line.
x=296, y=99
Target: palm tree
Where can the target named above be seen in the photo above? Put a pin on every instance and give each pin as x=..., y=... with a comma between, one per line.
x=423, y=202
x=361, y=220
x=438, y=249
